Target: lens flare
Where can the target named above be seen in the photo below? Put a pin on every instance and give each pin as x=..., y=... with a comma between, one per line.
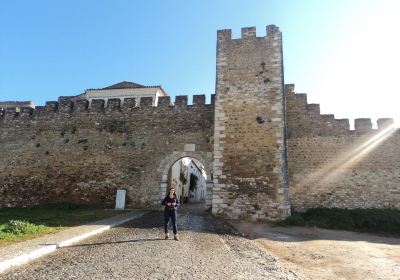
x=333, y=171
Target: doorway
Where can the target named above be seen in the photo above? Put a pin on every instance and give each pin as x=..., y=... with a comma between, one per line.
x=189, y=178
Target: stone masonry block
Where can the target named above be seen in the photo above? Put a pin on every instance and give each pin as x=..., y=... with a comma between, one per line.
x=97, y=105
x=181, y=100
x=113, y=104
x=248, y=32
x=164, y=101
x=199, y=100
x=146, y=102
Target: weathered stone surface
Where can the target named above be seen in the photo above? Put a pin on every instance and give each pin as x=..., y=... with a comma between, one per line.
x=260, y=142
x=209, y=249
x=249, y=137
x=332, y=166
x=85, y=155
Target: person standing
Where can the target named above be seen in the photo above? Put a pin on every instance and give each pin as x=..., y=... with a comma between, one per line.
x=171, y=203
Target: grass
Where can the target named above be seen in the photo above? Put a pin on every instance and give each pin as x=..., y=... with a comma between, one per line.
x=382, y=221
x=18, y=224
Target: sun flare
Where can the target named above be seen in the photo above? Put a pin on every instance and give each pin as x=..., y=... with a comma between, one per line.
x=333, y=171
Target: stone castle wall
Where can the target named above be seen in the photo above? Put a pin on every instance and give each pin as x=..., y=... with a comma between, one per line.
x=332, y=166
x=249, y=138
x=67, y=152
x=264, y=146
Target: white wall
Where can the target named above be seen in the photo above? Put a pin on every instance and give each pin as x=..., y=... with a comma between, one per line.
x=187, y=167
x=136, y=93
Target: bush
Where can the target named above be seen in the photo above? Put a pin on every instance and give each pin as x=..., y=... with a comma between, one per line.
x=16, y=226
x=21, y=227
x=362, y=220
x=294, y=220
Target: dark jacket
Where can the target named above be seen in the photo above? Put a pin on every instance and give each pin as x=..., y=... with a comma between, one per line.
x=167, y=199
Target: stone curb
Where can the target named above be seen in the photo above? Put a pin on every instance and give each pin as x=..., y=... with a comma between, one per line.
x=36, y=253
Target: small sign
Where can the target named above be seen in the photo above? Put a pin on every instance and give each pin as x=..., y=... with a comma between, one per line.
x=189, y=148
x=120, y=200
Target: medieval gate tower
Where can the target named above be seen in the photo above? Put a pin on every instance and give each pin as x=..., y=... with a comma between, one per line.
x=82, y=151
x=250, y=162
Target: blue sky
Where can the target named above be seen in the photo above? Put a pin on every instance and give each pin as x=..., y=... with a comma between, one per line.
x=343, y=53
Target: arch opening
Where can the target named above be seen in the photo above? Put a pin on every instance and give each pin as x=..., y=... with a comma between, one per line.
x=197, y=196
x=188, y=176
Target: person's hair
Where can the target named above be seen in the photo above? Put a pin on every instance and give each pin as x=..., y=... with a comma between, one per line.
x=170, y=190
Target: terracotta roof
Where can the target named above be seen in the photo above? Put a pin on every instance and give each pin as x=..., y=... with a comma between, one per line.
x=124, y=84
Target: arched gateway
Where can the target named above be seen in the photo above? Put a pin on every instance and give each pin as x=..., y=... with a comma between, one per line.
x=71, y=151
x=204, y=157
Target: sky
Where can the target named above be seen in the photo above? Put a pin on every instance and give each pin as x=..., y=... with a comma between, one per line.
x=343, y=53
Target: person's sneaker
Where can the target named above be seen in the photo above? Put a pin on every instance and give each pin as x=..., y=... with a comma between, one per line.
x=176, y=237
x=166, y=236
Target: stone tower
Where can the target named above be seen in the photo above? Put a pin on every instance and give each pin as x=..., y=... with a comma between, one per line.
x=250, y=162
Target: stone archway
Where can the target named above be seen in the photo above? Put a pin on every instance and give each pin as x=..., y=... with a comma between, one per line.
x=204, y=157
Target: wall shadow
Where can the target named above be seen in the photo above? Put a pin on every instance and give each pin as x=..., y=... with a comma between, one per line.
x=272, y=232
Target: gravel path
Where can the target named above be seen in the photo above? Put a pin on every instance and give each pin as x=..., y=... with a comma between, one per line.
x=209, y=249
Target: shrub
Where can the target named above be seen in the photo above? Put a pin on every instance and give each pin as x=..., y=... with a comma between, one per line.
x=16, y=227
x=362, y=220
x=294, y=220
x=21, y=227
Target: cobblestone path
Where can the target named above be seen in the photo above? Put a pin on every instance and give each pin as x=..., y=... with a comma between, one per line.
x=209, y=249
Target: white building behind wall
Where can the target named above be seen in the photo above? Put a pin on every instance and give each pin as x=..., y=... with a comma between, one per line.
x=180, y=180
x=199, y=194
x=121, y=91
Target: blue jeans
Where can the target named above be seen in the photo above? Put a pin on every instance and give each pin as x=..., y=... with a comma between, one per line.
x=167, y=215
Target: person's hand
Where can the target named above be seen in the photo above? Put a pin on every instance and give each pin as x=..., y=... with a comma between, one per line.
x=169, y=204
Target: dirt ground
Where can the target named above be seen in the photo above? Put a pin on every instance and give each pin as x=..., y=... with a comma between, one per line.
x=208, y=249
x=314, y=253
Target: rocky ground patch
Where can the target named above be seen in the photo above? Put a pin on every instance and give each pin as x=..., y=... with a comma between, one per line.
x=209, y=249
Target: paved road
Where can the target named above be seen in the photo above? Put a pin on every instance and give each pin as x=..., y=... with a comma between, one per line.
x=209, y=249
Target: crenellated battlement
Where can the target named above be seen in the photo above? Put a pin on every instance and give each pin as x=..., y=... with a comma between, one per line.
x=83, y=151
x=383, y=123
x=248, y=33
x=113, y=104
x=268, y=150
x=250, y=77
x=66, y=106
x=362, y=125
x=306, y=119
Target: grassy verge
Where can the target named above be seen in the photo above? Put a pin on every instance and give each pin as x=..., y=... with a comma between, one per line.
x=383, y=221
x=18, y=224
